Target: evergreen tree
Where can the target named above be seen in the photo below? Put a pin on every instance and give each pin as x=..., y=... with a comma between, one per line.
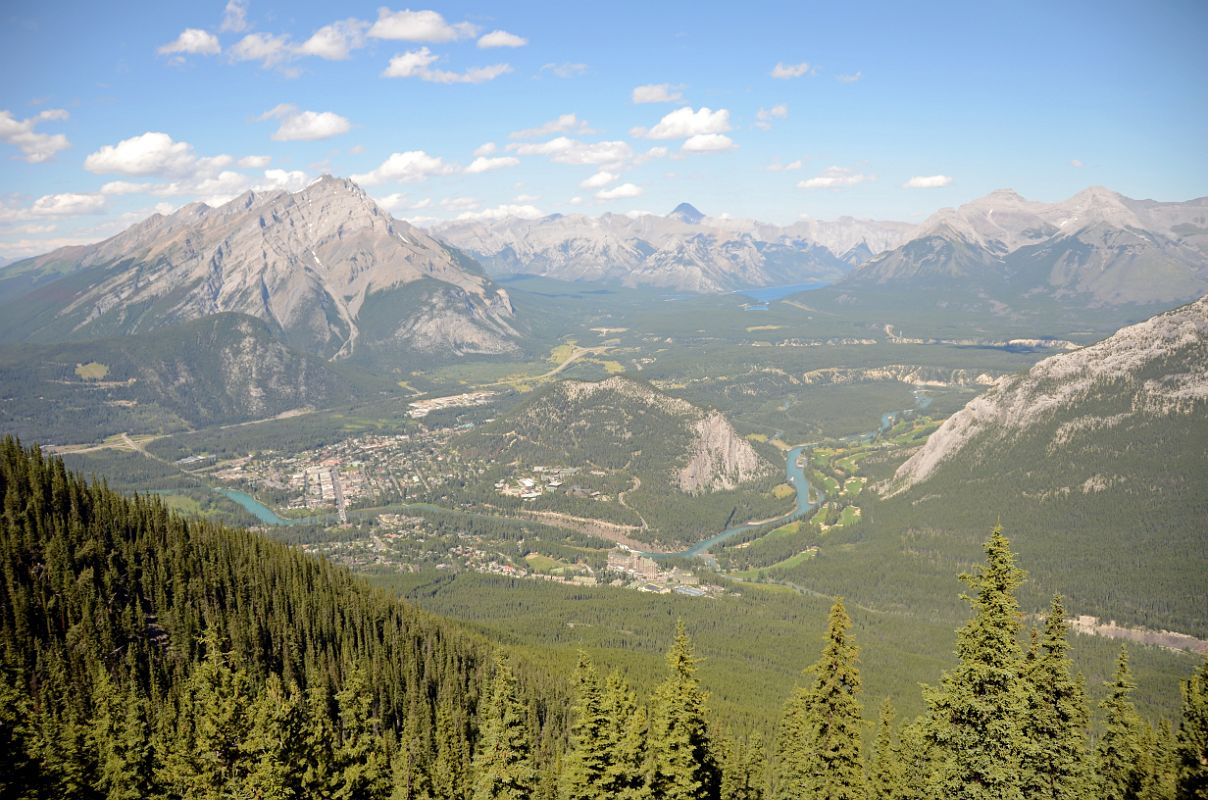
x=1163, y=782
x=207, y=760
x=744, y=769
x=590, y=756
x=820, y=740
x=978, y=711
x=122, y=741
x=1124, y=752
x=918, y=757
x=885, y=771
x=625, y=733
x=1192, y=746
x=683, y=765
x=18, y=773
x=276, y=742
x=503, y=768
x=1056, y=751
x=361, y=762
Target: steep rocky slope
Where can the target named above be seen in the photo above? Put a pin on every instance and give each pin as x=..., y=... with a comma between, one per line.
x=1141, y=375
x=311, y=264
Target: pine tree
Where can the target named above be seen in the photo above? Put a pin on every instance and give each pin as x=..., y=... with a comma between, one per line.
x=885, y=771
x=1192, y=746
x=361, y=764
x=1124, y=752
x=1056, y=753
x=683, y=765
x=276, y=742
x=122, y=741
x=820, y=754
x=18, y=770
x=744, y=769
x=918, y=756
x=590, y=756
x=503, y=768
x=977, y=712
x=1163, y=782
x=625, y=733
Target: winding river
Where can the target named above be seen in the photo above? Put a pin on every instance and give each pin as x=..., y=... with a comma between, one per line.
x=794, y=473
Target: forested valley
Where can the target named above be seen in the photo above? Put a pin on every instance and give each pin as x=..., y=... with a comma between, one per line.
x=146, y=655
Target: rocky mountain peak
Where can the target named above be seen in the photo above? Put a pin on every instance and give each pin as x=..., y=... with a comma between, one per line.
x=686, y=212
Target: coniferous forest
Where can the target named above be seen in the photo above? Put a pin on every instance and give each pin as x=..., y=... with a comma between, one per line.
x=146, y=655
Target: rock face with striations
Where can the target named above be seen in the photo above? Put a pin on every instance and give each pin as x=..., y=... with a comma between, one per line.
x=327, y=268
x=1141, y=374
x=719, y=458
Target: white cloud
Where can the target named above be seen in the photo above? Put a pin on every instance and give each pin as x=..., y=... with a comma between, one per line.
x=485, y=149
x=68, y=204
x=709, y=143
x=35, y=147
x=305, y=126
x=764, y=116
x=684, y=122
x=566, y=123
x=927, y=182
x=619, y=192
x=270, y=50
x=335, y=41
x=192, y=41
x=255, y=162
x=234, y=17
x=411, y=166
x=564, y=150
x=786, y=71
x=501, y=39
x=848, y=78
x=655, y=152
x=125, y=187
x=289, y=180
x=392, y=202
x=151, y=153
x=1077, y=164
x=567, y=69
x=417, y=64
x=601, y=178
x=419, y=26
x=576, y=201
x=459, y=203
x=525, y=198
x=484, y=164
x=776, y=166
x=524, y=211
x=657, y=93
x=833, y=178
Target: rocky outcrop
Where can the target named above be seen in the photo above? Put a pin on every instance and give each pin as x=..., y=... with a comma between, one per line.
x=911, y=374
x=1155, y=368
x=719, y=458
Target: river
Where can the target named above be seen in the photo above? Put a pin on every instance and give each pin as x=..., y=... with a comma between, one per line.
x=795, y=475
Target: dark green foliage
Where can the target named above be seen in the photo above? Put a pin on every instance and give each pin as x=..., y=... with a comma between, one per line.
x=977, y=713
x=1125, y=750
x=1056, y=753
x=819, y=745
x=885, y=770
x=681, y=755
x=502, y=764
x=1192, y=748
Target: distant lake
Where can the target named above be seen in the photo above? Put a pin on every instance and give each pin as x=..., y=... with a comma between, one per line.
x=257, y=509
x=766, y=294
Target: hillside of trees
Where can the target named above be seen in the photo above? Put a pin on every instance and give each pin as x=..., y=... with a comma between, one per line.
x=145, y=655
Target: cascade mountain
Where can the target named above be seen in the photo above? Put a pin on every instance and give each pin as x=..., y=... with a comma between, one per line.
x=325, y=267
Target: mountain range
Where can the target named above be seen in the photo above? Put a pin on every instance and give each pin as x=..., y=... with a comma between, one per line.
x=1098, y=246
x=328, y=270
x=684, y=250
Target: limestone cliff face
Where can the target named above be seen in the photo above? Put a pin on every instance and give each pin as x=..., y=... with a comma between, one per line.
x=307, y=263
x=720, y=459
x=1155, y=368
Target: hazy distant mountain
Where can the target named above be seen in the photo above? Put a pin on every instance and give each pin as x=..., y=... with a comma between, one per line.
x=686, y=212
x=685, y=250
x=1098, y=247
x=325, y=267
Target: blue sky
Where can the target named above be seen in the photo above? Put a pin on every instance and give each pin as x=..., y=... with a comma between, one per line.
x=766, y=110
